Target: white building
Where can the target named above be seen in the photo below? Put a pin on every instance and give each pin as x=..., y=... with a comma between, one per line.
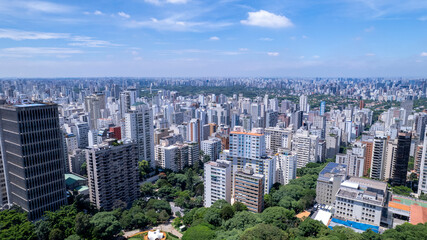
x=329, y=181
x=286, y=168
x=212, y=148
x=217, y=182
x=306, y=147
x=361, y=200
x=139, y=127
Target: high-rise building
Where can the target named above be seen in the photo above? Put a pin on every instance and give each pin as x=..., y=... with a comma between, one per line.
x=3, y=189
x=93, y=105
x=400, y=159
x=303, y=103
x=296, y=119
x=212, y=148
x=34, y=183
x=353, y=161
x=329, y=181
x=248, y=150
x=217, y=181
x=322, y=108
x=306, y=147
x=249, y=189
x=112, y=173
x=276, y=137
x=418, y=159
x=378, y=158
x=82, y=134
x=286, y=167
x=139, y=128
x=368, y=157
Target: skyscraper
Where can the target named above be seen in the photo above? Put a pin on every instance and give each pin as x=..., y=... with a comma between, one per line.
x=33, y=154
x=378, y=158
x=303, y=103
x=401, y=159
x=139, y=127
x=93, y=105
x=322, y=108
x=212, y=148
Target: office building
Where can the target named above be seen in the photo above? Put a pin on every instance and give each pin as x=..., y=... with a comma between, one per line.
x=112, y=173
x=217, y=182
x=34, y=183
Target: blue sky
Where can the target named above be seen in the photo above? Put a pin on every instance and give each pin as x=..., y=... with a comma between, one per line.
x=191, y=38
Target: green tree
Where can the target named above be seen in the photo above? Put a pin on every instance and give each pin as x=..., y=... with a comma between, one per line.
x=310, y=228
x=82, y=225
x=402, y=190
x=370, y=235
x=279, y=217
x=74, y=237
x=163, y=216
x=159, y=205
x=213, y=216
x=238, y=207
x=105, y=225
x=264, y=232
x=242, y=220
x=227, y=212
x=83, y=169
x=62, y=219
x=144, y=169
x=198, y=232
x=14, y=225
x=56, y=234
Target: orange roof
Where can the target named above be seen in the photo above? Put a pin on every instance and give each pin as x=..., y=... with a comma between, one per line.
x=245, y=133
x=303, y=215
x=399, y=206
x=418, y=214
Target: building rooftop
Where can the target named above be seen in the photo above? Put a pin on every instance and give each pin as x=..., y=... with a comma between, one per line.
x=418, y=214
x=332, y=169
x=245, y=133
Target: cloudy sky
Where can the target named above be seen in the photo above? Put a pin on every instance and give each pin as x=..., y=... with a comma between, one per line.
x=271, y=38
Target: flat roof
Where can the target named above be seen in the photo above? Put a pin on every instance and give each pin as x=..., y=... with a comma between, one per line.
x=303, y=215
x=418, y=214
x=408, y=201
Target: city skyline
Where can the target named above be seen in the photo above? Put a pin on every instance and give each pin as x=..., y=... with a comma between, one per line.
x=189, y=38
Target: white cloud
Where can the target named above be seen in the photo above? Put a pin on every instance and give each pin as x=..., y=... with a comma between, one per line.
x=83, y=41
x=263, y=18
x=423, y=54
x=316, y=57
x=30, y=51
x=243, y=49
x=123, y=14
x=41, y=6
x=161, y=2
x=370, y=29
x=304, y=37
x=370, y=54
x=273, y=54
x=97, y=12
x=423, y=18
x=24, y=35
x=177, y=1
x=266, y=39
x=214, y=38
x=174, y=24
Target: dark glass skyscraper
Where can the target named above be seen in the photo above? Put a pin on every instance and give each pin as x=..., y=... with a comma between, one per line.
x=33, y=157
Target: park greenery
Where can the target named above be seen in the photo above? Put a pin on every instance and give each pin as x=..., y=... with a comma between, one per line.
x=221, y=221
